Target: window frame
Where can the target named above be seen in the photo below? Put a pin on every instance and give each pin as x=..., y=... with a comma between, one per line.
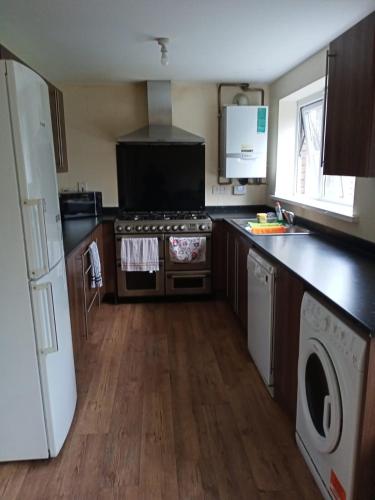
x=321, y=198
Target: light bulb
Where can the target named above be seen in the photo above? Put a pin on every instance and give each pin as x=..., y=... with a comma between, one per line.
x=164, y=58
x=163, y=42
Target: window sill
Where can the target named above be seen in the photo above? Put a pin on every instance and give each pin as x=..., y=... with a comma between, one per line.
x=323, y=207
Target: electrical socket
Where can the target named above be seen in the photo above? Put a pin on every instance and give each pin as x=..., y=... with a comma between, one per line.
x=82, y=186
x=239, y=189
x=219, y=190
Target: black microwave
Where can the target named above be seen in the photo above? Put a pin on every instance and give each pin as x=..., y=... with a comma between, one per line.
x=74, y=205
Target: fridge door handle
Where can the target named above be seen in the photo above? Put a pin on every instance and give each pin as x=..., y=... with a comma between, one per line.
x=36, y=235
x=45, y=324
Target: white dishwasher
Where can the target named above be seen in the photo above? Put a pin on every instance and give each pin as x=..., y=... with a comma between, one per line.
x=261, y=291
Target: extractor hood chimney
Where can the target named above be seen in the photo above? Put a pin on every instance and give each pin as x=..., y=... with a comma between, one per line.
x=160, y=128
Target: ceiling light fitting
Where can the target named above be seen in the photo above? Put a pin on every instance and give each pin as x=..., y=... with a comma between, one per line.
x=163, y=42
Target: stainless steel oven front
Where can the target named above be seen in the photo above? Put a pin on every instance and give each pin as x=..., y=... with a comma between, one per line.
x=140, y=283
x=188, y=278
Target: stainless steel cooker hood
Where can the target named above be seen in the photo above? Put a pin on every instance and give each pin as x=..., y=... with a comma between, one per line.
x=160, y=128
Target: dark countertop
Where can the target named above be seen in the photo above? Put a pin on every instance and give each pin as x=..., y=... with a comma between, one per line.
x=235, y=212
x=76, y=230
x=344, y=276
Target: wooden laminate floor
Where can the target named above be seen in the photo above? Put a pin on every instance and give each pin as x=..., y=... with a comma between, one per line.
x=170, y=407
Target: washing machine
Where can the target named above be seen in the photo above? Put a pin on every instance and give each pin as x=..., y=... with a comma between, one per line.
x=330, y=385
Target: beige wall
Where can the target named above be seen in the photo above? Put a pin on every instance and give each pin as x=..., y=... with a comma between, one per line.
x=304, y=74
x=96, y=115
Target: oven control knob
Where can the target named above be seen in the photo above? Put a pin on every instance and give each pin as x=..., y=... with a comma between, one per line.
x=160, y=228
x=128, y=228
x=146, y=228
x=119, y=229
x=182, y=227
x=153, y=228
x=167, y=228
x=139, y=228
x=175, y=228
x=203, y=227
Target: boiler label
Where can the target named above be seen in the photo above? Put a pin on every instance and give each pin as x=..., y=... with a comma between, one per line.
x=261, y=120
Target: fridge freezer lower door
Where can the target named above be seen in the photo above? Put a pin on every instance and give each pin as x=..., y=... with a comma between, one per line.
x=55, y=354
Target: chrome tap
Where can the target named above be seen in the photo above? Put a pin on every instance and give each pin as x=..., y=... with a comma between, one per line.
x=288, y=216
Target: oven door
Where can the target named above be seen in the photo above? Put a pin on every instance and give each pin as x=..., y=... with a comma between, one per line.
x=160, y=238
x=182, y=266
x=187, y=282
x=140, y=283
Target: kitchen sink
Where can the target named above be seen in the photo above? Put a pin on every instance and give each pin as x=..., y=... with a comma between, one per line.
x=290, y=229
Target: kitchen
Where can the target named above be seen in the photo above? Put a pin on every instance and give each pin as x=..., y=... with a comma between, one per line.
x=170, y=404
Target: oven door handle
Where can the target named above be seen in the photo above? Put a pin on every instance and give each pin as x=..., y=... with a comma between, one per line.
x=202, y=276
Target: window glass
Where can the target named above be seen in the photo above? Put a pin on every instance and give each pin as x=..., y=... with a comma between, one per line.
x=309, y=179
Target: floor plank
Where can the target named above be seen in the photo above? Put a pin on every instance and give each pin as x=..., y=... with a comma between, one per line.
x=170, y=407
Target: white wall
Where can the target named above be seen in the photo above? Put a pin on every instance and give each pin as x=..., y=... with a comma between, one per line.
x=304, y=74
x=96, y=115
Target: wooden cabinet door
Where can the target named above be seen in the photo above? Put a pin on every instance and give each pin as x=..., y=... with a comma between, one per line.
x=109, y=259
x=7, y=54
x=243, y=246
x=350, y=120
x=288, y=298
x=219, y=257
x=58, y=128
x=231, y=267
x=79, y=289
x=75, y=292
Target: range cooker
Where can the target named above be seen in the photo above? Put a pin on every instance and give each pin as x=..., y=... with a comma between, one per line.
x=173, y=278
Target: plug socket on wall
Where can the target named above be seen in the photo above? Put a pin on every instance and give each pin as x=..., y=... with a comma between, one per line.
x=219, y=190
x=239, y=190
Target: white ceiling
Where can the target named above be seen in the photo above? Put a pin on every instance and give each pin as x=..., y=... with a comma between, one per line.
x=112, y=40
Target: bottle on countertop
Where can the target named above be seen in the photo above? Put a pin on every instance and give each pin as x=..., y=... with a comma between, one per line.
x=279, y=213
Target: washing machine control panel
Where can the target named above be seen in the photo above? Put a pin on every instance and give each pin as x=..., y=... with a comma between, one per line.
x=335, y=331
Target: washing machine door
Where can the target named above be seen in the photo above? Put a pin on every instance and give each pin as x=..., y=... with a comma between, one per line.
x=320, y=397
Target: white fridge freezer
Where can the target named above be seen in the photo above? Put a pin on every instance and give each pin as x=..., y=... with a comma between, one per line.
x=37, y=378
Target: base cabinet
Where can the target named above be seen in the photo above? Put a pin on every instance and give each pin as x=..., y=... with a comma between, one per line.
x=289, y=292
x=109, y=259
x=81, y=295
x=230, y=249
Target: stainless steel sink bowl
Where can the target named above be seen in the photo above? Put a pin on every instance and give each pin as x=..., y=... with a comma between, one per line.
x=290, y=229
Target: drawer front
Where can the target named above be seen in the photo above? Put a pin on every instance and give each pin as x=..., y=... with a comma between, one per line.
x=187, y=282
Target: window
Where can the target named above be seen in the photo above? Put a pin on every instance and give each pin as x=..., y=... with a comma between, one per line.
x=309, y=179
x=299, y=176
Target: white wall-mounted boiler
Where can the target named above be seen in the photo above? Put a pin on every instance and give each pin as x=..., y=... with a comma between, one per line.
x=244, y=131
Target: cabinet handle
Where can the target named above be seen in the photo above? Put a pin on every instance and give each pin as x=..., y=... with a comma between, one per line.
x=177, y=276
x=329, y=55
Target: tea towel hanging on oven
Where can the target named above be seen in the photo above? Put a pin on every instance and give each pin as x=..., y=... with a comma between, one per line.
x=140, y=254
x=188, y=249
x=96, y=268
